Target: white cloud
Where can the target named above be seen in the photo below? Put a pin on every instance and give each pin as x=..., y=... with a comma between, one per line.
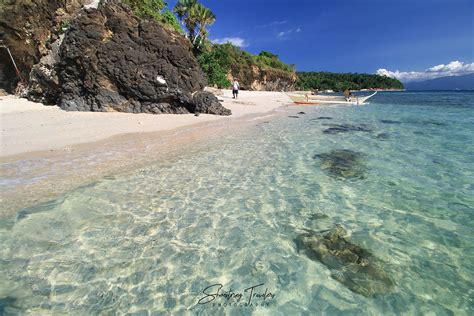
x=274, y=23
x=454, y=68
x=288, y=32
x=236, y=41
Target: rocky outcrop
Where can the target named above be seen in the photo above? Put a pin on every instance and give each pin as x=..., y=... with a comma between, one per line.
x=110, y=60
x=263, y=79
x=27, y=28
x=350, y=264
x=272, y=80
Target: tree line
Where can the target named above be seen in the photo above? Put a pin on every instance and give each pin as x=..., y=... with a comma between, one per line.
x=343, y=81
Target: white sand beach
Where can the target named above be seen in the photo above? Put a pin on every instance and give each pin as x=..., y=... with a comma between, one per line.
x=46, y=151
x=29, y=127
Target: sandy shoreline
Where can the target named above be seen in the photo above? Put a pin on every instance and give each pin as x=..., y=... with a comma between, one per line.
x=46, y=151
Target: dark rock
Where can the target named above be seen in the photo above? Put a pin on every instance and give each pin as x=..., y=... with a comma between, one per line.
x=382, y=136
x=342, y=163
x=350, y=264
x=317, y=216
x=27, y=28
x=110, y=60
x=206, y=102
x=390, y=122
x=293, y=116
x=301, y=113
x=345, y=128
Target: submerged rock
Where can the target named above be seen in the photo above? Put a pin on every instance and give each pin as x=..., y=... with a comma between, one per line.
x=390, y=122
x=345, y=128
x=382, y=136
x=350, y=264
x=317, y=216
x=343, y=163
x=7, y=306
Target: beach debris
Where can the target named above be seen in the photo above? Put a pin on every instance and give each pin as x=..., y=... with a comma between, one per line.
x=324, y=118
x=293, y=116
x=390, y=122
x=342, y=163
x=301, y=112
x=345, y=128
x=355, y=267
x=197, y=114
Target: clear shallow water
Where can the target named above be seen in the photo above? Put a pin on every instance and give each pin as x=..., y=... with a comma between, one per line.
x=154, y=239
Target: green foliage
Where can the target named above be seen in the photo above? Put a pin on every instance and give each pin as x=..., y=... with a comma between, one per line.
x=147, y=9
x=343, y=81
x=266, y=59
x=215, y=67
x=169, y=19
x=220, y=60
x=155, y=10
x=196, y=18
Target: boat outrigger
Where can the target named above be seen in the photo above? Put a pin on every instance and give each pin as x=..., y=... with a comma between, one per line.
x=302, y=99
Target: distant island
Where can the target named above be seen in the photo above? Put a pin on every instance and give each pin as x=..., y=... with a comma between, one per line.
x=464, y=82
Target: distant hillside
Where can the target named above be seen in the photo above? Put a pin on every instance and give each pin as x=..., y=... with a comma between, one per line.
x=265, y=71
x=465, y=82
x=342, y=81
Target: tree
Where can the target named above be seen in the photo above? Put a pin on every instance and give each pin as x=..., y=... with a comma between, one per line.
x=195, y=18
x=154, y=10
x=203, y=17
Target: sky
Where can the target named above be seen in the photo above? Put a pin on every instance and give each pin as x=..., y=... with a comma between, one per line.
x=407, y=39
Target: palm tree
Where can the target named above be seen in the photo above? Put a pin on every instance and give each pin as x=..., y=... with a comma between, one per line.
x=183, y=7
x=194, y=15
x=182, y=10
x=204, y=17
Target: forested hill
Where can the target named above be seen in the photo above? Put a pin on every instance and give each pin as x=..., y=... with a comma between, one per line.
x=342, y=81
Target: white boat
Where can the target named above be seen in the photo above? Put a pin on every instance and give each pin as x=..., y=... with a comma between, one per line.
x=302, y=99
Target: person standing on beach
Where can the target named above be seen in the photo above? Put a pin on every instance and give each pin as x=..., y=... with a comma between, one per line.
x=235, y=88
x=347, y=94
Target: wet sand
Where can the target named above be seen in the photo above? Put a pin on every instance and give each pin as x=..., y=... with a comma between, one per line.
x=46, y=151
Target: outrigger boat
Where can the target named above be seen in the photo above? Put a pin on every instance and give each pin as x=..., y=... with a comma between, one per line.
x=302, y=99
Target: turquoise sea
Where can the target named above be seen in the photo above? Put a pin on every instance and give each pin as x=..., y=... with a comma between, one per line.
x=255, y=211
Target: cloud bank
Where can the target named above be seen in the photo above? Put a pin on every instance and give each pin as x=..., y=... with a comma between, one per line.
x=236, y=41
x=454, y=68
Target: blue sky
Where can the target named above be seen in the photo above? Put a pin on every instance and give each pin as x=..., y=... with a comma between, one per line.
x=352, y=35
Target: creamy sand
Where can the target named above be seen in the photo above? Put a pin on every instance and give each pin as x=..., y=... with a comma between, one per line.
x=46, y=151
x=28, y=126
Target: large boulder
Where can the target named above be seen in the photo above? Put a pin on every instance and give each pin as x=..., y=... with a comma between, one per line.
x=110, y=60
x=27, y=27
